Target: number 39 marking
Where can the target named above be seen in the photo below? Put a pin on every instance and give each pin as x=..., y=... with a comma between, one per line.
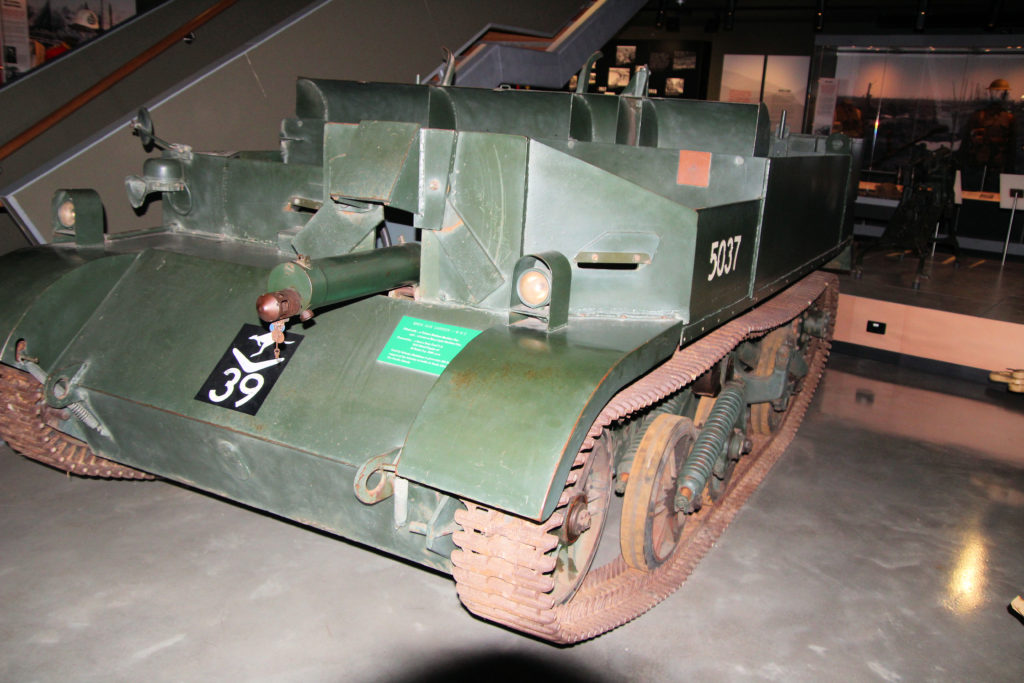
x=725, y=256
x=247, y=372
x=249, y=386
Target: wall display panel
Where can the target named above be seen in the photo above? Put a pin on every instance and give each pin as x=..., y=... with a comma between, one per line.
x=678, y=68
x=969, y=103
x=785, y=88
x=942, y=113
x=780, y=81
x=15, y=48
x=741, y=78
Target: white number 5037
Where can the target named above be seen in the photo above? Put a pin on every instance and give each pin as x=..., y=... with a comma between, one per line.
x=725, y=256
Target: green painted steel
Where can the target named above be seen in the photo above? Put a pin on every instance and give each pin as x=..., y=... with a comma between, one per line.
x=512, y=410
x=649, y=221
x=27, y=276
x=352, y=276
x=49, y=324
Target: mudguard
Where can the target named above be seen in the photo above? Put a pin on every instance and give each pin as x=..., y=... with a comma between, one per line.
x=513, y=408
x=39, y=282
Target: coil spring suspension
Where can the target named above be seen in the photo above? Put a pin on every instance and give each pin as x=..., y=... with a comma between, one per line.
x=711, y=443
x=87, y=418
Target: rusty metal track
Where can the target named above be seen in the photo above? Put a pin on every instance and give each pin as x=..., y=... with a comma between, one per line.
x=502, y=568
x=24, y=428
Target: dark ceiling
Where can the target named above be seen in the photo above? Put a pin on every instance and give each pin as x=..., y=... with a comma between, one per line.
x=839, y=16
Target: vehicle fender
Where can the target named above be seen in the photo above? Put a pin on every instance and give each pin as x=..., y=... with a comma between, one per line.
x=49, y=293
x=506, y=418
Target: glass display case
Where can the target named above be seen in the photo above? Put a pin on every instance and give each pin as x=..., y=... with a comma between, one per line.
x=951, y=104
x=925, y=90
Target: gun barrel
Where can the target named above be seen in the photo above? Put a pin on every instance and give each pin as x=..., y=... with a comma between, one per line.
x=295, y=287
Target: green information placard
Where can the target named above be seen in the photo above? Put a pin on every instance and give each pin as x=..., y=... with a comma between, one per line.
x=425, y=345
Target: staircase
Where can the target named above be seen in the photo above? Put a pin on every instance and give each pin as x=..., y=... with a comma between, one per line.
x=499, y=56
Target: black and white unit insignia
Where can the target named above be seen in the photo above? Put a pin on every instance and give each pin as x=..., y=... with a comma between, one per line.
x=248, y=370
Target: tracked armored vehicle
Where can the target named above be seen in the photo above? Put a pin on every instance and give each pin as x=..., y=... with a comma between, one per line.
x=612, y=301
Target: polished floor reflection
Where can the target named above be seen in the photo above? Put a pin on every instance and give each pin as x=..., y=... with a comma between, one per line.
x=886, y=545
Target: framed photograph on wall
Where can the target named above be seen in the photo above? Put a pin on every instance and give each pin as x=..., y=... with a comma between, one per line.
x=678, y=68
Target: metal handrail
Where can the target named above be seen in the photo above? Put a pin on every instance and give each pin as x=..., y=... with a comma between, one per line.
x=107, y=82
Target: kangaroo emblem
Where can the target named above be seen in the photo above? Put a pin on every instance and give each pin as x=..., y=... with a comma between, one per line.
x=264, y=340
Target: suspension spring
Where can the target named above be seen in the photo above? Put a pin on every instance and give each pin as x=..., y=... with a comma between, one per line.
x=87, y=418
x=711, y=442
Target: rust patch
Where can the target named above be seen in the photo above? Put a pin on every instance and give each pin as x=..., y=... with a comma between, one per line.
x=451, y=228
x=461, y=380
x=535, y=375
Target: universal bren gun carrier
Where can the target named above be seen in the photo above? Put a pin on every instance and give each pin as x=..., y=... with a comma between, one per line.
x=609, y=301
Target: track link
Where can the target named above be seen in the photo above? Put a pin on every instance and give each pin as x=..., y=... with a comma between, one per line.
x=24, y=428
x=502, y=566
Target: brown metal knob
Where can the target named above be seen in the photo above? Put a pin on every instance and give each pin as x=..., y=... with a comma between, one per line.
x=278, y=305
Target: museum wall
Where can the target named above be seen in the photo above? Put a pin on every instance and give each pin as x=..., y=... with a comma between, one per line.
x=764, y=38
x=11, y=237
x=239, y=104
